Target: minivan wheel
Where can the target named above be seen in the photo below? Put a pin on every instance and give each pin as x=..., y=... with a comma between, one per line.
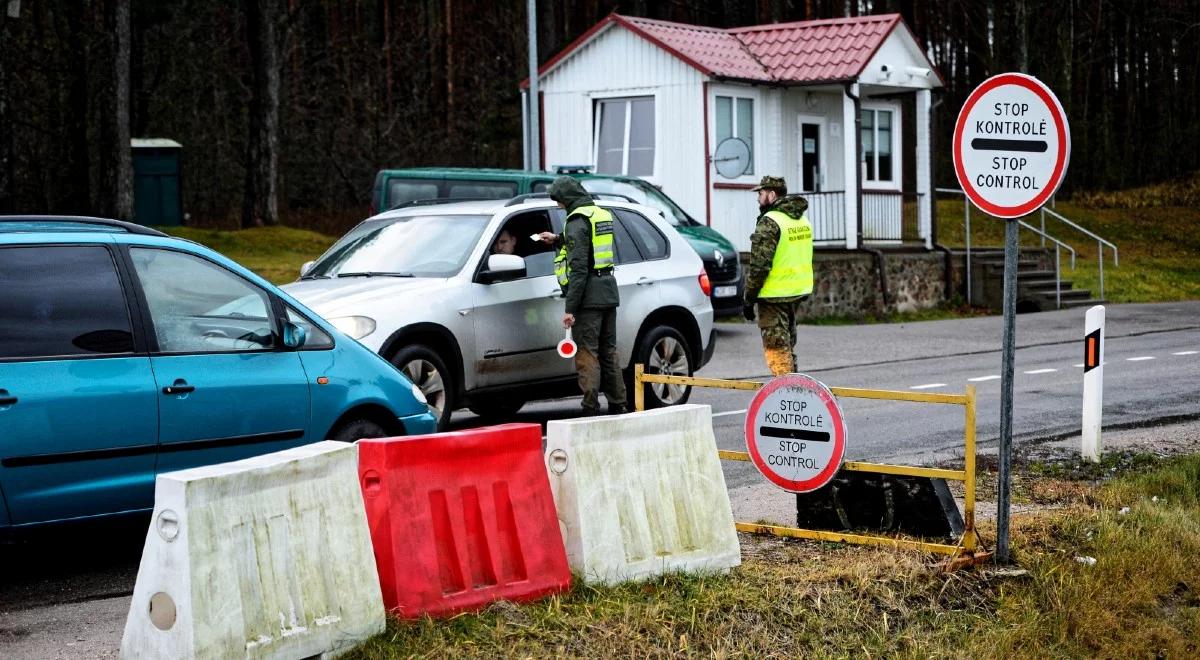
x=357, y=429
x=664, y=351
x=429, y=373
x=497, y=409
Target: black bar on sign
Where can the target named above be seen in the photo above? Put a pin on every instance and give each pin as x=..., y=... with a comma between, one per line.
x=992, y=144
x=793, y=434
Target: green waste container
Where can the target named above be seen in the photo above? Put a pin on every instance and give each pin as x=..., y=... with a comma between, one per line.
x=157, y=174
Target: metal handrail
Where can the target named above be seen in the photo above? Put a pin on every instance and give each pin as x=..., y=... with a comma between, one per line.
x=966, y=230
x=1100, y=243
x=1057, y=260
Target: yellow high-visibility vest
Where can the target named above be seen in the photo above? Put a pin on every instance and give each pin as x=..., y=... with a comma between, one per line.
x=791, y=269
x=602, y=242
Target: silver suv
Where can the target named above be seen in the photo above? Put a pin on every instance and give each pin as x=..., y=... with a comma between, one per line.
x=421, y=286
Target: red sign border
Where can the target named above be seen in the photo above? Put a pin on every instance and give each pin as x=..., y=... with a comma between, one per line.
x=1042, y=92
x=839, y=436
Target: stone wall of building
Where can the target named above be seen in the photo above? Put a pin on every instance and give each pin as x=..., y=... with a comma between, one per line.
x=847, y=282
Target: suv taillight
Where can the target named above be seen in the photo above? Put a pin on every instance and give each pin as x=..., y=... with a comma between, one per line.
x=705, y=284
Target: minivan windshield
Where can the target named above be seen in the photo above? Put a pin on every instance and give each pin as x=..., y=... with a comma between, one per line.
x=642, y=193
x=409, y=246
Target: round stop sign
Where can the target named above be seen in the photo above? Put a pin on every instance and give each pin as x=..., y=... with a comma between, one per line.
x=795, y=433
x=1012, y=145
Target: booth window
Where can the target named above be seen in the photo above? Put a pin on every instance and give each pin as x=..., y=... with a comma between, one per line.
x=877, y=156
x=624, y=136
x=735, y=118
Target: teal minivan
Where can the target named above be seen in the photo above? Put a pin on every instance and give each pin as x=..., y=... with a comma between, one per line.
x=126, y=353
x=395, y=187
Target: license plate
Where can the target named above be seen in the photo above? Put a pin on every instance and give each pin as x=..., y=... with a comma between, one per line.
x=724, y=291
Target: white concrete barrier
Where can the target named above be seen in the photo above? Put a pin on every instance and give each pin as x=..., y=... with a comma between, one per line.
x=641, y=494
x=268, y=557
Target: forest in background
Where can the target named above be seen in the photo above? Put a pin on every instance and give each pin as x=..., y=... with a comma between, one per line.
x=286, y=108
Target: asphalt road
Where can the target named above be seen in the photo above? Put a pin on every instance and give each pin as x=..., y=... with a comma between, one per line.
x=65, y=593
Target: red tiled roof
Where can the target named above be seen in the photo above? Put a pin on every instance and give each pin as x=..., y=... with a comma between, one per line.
x=712, y=50
x=802, y=52
x=813, y=51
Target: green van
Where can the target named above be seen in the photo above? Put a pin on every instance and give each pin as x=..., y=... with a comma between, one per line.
x=721, y=262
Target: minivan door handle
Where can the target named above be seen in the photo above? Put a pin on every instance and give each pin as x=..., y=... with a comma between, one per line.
x=644, y=281
x=6, y=399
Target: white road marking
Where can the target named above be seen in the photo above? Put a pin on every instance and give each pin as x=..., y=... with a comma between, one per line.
x=927, y=386
x=982, y=378
x=1186, y=353
x=1041, y=371
x=729, y=412
x=1079, y=366
x=1140, y=359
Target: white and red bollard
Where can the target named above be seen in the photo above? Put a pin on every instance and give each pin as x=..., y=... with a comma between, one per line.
x=1093, y=382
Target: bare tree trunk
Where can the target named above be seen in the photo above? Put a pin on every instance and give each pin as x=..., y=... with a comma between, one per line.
x=116, y=166
x=6, y=136
x=260, y=204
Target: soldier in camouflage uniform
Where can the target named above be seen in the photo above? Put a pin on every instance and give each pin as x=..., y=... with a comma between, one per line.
x=590, y=292
x=780, y=273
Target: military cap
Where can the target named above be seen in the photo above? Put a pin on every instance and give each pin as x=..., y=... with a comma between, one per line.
x=772, y=183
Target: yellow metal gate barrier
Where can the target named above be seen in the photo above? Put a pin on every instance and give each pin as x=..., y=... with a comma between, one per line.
x=967, y=548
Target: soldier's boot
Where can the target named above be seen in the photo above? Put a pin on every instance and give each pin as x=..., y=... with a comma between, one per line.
x=779, y=360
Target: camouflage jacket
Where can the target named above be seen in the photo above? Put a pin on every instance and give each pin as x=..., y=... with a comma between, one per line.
x=763, y=242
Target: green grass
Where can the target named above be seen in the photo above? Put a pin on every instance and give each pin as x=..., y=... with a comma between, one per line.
x=276, y=253
x=1155, y=229
x=801, y=599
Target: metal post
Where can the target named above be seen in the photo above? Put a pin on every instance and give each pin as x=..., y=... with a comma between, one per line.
x=1043, y=214
x=639, y=392
x=969, y=468
x=525, y=130
x=535, y=133
x=1011, y=247
x=1100, y=253
x=967, y=234
x=1057, y=276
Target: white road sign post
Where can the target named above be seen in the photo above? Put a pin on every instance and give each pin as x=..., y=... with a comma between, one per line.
x=1093, y=382
x=795, y=433
x=1012, y=145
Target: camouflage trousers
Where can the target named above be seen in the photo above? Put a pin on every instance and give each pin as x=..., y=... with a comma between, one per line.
x=777, y=324
x=595, y=332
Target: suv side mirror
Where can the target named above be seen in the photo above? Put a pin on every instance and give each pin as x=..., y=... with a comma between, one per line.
x=306, y=267
x=294, y=336
x=501, y=267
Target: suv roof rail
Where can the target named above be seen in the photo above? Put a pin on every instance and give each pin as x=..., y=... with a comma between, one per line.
x=431, y=201
x=519, y=199
x=129, y=227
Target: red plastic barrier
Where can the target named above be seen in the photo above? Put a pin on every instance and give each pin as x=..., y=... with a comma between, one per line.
x=461, y=519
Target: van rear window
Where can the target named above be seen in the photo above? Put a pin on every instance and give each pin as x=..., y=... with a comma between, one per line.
x=409, y=190
x=480, y=189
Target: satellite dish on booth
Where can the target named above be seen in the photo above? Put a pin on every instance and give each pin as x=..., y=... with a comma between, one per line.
x=732, y=157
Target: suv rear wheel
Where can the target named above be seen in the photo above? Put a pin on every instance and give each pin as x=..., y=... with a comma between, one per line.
x=663, y=350
x=429, y=373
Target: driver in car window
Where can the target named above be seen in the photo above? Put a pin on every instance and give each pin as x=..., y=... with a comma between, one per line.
x=505, y=243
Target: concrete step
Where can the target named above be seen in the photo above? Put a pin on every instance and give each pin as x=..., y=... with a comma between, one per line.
x=1028, y=275
x=1042, y=284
